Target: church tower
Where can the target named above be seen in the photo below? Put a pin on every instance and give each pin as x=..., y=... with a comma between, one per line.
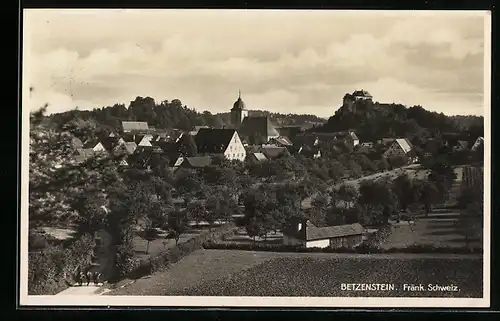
x=238, y=112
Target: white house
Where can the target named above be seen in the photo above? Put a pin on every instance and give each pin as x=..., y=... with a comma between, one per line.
x=225, y=141
x=399, y=147
x=94, y=145
x=304, y=233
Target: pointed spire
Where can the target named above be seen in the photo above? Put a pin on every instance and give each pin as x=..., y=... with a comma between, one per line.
x=239, y=94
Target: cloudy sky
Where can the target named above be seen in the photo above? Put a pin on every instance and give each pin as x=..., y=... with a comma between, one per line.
x=283, y=61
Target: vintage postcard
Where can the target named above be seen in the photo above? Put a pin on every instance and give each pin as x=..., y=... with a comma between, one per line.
x=255, y=158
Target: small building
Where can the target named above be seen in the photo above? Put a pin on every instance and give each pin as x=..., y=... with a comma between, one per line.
x=94, y=145
x=127, y=148
x=460, y=145
x=362, y=95
x=196, y=130
x=301, y=232
x=272, y=152
x=399, y=147
x=367, y=144
x=196, y=162
x=258, y=129
x=225, y=142
x=281, y=141
x=144, y=140
x=256, y=157
x=135, y=126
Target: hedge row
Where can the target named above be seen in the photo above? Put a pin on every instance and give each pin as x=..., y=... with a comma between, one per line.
x=163, y=259
x=53, y=269
x=364, y=248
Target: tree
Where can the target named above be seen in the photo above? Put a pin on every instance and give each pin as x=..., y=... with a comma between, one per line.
x=428, y=195
x=348, y=194
x=320, y=201
x=377, y=201
x=404, y=190
x=178, y=223
x=383, y=165
x=197, y=211
x=149, y=233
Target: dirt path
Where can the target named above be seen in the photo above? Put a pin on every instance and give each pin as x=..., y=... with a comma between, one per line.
x=85, y=290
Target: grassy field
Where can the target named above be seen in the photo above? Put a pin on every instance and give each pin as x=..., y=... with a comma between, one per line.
x=438, y=229
x=242, y=273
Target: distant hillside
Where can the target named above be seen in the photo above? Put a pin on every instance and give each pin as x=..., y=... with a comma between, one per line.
x=372, y=120
x=280, y=119
x=169, y=114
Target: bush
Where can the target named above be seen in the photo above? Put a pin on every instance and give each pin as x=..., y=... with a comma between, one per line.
x=363, y=248
x=164, y=259
x=53, y=268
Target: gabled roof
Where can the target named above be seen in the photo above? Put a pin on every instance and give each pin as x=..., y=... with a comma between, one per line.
x=212, y=140
x=462, y=143
x=91, y=143
x=135, y=126
x=305, y=139
x=310, y=232
x=403, y=143
x=129, y=147
x=283, y=140
x=327, y=232
x=198, y=161
x=258, y=125
x=259, y=156
x=273, y=151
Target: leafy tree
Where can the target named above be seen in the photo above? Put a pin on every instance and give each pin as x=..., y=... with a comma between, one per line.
x=149, y=233
x=377, y=200
x=404, y=190
x=348, y=194
x=383, y=165
x=428, y=195
x=320, y=202
x=178, y=222
x=197, y=211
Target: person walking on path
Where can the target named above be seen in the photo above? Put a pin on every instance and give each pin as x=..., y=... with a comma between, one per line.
x=80, y=278
x=89, y=277
x=96, y=277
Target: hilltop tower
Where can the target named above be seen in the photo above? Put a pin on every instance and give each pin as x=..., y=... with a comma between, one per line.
x=238, y=112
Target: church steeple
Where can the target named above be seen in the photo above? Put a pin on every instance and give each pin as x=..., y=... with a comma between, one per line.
x=239, y=111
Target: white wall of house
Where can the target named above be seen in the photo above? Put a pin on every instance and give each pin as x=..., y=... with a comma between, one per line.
x=355, y=142
x=318, y=243
x=235, y=149
x=394, y=150
x=287, y=240
x=99, y=148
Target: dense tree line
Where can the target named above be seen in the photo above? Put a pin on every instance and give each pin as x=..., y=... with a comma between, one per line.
x=373, y=120
x=165, y=115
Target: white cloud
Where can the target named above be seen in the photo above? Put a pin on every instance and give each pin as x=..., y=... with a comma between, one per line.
x=286, y=61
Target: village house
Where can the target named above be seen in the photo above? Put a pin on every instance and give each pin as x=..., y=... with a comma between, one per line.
x=252, y=129
x=195, y=162
x=301, y=232
x=281, y=141
x=399, y=147
x=225, y=142
x=367, y=144
x=94, y=145
x=135, y=127
x=290, y=131
x=127, y=148
x=459, y=145
x=196, y=129
x=272, y=152
x=254, y=158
